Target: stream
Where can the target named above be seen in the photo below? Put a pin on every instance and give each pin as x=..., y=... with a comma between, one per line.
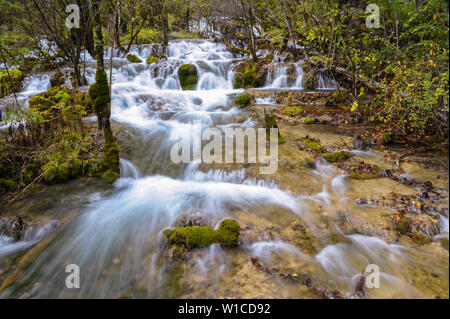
x=114, y=233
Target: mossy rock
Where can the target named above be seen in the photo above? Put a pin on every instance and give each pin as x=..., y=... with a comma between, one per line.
x=56, y=172
x=238, y=82
x=309, y=120
x=57, y=79
x=6, y=87
x=202, y=236
x=316, y=146
x=188, y=76
x=62, y=96
x=243, y=100
x=337, y=156
x=269, y=123
x=310, y=80
x=402, y=226
x=152, y=59
x=6, y=185
x=269, y=57
x=110, y=176
x=40, y=103
x=293, y=110
x=386, y=138
x=133, y=59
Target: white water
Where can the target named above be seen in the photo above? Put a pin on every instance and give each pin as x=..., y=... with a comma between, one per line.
x=118, y=240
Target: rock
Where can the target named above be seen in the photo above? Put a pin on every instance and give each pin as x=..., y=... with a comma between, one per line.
x=13, y=227
x=314, y=145
x=293, y=111
x=270, y=122
x=309, y=120
x=337, y=156
x=152, y=59
x=57, y=79
x=6, y=87
x=133, y=59
x=243, y=100
x=202, y=236
x=310, y=79
x=188, y=76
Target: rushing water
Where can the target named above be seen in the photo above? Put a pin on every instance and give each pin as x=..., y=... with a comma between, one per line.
x=116, y=236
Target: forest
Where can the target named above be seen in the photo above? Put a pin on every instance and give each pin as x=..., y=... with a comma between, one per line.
x=96, y=96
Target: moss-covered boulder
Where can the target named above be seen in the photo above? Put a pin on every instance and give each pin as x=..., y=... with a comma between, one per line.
x=309, y=120
x=269, y=123
x=243, y=100
x=336, y=156
x=188, y=76
x=314, y=145
x=133, y=59
x=310, y=78
x=198, y=236
x=57, y=79
x=110, y=176
x=250, y=75
x=6, y=185
x=6, y=86
x=152, y=59
x=293, y=111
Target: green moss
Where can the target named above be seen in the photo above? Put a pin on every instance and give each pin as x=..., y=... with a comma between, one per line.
x=269, y=57
x=238, y=81
x=40, y=103
x=110, y=176
x=337, y=156
x=387, y=138
x=293, y=110
x=6, y=87
x=57, y=79
x=313, y=145
x=62, y=96
x=243, y=100
x=269, y=123
x=29, y=173
x=199, y=236
x=152, y=59
x=188, y=76
x=340, y=97
x=56, y=170
x=403, y=226
x=309, y=120
x=133, y=59
x=249, y=78
x=6, y=185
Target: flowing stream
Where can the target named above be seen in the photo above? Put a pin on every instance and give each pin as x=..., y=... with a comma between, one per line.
x=115, y=234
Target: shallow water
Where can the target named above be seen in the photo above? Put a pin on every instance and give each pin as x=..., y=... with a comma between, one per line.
x=114, y=233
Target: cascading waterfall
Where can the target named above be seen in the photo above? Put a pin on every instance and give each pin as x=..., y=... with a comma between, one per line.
x=117, y=241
